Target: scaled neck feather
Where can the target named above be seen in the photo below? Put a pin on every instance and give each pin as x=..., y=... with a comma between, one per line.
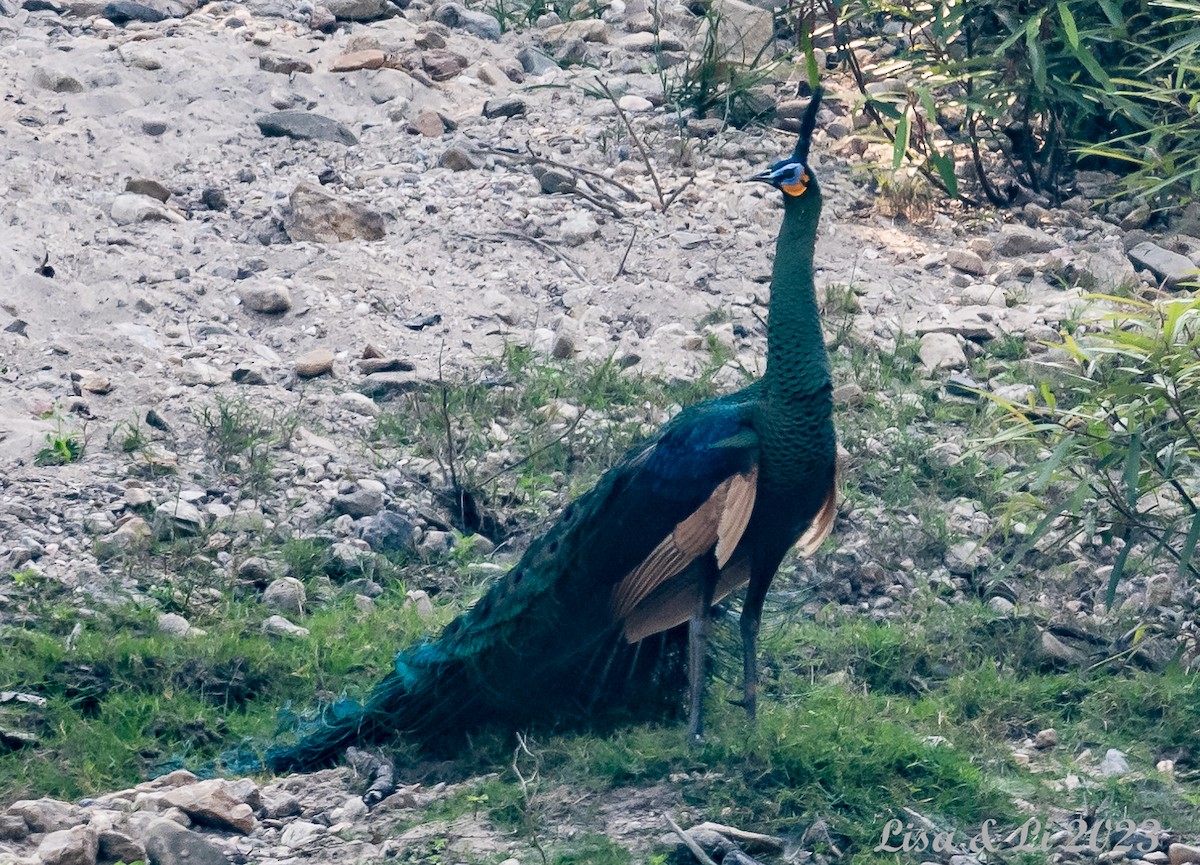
x=797, y=365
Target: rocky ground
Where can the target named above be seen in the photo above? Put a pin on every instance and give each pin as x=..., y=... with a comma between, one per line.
x=321, y=209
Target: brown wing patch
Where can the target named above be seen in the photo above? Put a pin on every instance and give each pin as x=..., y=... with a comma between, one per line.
x=822, y=524
x=739, y=504
x=674, y=601
x=717, y=524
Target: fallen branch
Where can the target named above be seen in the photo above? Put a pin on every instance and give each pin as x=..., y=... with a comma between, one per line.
x=754, y=840
x=671, y=198
x=717, y=838
x=564, y=434
x=689, y=842
x=600, y=202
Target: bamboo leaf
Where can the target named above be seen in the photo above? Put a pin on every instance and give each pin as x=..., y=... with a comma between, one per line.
x=1048, y=395
x=1037, y=58
x=1071, y=347
x=1112, y=12
x=1133, y=468
x=1092, y=66
x=1189, y=545
x=887, y=109
x=1110, y=594
x=1051, y=465
x=945, y=169
x=1068, y=22
x=900, y=145
x=810, y=58
x=927, y=102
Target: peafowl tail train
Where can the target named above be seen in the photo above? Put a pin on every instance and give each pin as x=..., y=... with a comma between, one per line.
x=534, y=650
x=433, y=698
x=344, y=724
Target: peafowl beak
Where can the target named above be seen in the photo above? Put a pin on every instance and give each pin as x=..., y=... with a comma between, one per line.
x=766, y=176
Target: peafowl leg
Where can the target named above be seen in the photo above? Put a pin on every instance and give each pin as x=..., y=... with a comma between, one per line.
x=698, y=650
x=756, y=594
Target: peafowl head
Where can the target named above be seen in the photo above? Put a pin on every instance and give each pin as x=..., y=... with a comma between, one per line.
x=792, y=176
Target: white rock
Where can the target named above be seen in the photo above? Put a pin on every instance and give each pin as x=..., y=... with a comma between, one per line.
x=297, y=833
x=280, y=626
x=941, y=351
x=267, y=297
x=578, y=228
x=635, y=104
x=285, y=595
x=176, y=625
x=1171, y=267
x=129, y=207
x=500, y=305
x=77, y=846
x=359, y=404
x=177, y=517
x=46, y=815
x=354, y=808
x=1114, y=764
x=202, y=374
x=1003, y=606
x=217, y=802
x=419, y=598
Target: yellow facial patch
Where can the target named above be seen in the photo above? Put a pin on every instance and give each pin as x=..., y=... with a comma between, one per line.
x=798, y=188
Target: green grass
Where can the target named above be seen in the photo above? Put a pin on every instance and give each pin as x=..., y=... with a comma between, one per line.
x=850, y=702
x=854, y=753
x=240, y=439
x=592, y=850
x=127, y=698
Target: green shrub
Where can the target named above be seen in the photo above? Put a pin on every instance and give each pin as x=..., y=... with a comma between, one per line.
x=1038, y=88
x=1122, y=436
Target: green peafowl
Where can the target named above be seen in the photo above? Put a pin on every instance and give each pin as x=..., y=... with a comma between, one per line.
x=710, y=504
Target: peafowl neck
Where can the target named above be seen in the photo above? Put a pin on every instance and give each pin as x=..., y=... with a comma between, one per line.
x=797, y=366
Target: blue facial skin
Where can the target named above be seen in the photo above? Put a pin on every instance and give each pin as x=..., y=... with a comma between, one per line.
x=783, y=174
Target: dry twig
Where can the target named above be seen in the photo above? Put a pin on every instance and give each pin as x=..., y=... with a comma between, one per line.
x=526, y=784
x=662, y=204
x=541, y=244
x=625, y=257
x=532, y=156
x=599, y=201
x=678, y=192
